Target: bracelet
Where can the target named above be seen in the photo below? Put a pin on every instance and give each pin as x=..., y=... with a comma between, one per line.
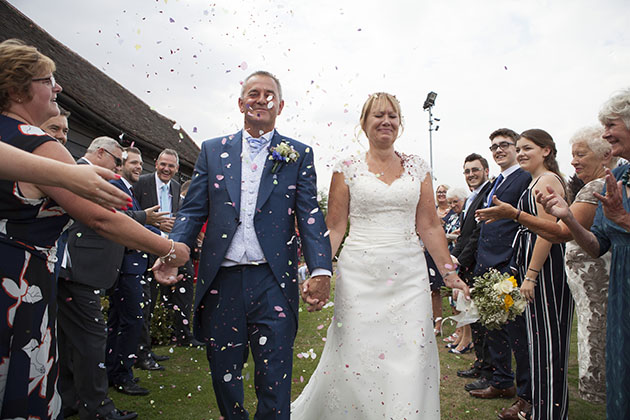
x=532, y=280
x=448, y=273
x=171, y=252
x=535, y=271
x=518, y=214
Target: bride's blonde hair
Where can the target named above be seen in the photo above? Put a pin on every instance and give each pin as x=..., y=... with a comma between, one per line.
x=377, y=101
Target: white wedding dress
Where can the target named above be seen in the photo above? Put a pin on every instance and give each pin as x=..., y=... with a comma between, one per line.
x=380, y=360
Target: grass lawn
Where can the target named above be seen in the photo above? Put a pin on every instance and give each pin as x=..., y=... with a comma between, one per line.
x=184, y=390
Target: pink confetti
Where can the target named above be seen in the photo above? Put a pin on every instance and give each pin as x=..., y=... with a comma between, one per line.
x=215, y=186
x=310, y=220
x=214, y=292
x=281, y=315
x=320, y=326
x=223, y=141
x=381, y=356
x=278, y=308
x=243, y=66
x=220, y=177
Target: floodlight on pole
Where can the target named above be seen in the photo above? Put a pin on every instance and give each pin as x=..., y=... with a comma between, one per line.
x=428, y=105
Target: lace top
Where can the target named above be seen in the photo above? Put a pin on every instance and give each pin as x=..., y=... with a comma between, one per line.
x=374, y=205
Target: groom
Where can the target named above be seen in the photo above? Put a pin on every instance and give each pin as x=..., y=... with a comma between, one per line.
x=247, y=292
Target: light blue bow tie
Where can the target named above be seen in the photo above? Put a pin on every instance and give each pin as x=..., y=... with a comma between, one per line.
x=256, y=145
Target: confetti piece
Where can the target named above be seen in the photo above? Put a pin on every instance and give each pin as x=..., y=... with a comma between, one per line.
x=310, y=220
x=320, y=326
x=278, y=308
x=220, y=177
x=225, y=155
x=381, y=356
x=227, y=377
x=262, y=340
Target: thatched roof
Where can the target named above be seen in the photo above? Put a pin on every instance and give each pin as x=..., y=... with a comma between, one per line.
x=97, y=94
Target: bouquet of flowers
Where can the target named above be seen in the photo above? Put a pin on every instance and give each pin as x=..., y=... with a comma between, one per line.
x=497, y=298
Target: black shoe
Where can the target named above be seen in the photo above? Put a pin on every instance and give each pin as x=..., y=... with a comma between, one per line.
x=159, y=358
x=192, y=342
x=481, y=383
x=135, y=380
x=131, y=388
x=469, y=373
x=148, y=364
x=117, y=414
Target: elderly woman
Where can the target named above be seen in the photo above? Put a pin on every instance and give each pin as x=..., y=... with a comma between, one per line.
x=610, y=231
x=31, y=219
x=456, y=198
x=587, y=277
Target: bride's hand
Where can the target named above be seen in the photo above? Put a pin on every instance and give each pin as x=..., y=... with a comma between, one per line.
x=315, y=292
x=454, y=282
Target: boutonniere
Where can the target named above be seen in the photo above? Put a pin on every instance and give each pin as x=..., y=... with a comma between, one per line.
x=283, y=152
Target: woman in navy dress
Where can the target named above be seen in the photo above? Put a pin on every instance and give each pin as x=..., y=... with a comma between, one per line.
x=611, y=231
x=540, y=265
x=31, y=219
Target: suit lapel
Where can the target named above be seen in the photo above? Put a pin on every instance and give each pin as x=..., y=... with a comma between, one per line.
x=231, y=166
x=267, y=183
x=507, y=182
x=153, y=190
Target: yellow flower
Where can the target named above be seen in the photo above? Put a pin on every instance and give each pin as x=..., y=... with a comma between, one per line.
x=508, y=302
x=513, y=280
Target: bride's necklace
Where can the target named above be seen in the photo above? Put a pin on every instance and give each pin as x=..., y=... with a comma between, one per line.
x=391, y=162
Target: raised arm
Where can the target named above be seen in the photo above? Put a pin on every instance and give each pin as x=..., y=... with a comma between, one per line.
x=554, y=204
x=540, y=253
x=430, y=230
x=87, y=181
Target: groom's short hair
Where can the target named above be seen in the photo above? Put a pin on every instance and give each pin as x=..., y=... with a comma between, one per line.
x=475, y=156
x=266, y=74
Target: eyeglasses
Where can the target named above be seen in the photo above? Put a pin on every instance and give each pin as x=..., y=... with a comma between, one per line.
x=472, y=171
x=47, y=80
x=118, y=161
x=503, y=145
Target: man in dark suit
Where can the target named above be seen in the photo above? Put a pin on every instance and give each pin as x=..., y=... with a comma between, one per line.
x=494, y=250
x=247, y=290
x=476, y=173
x=159, y=188
x=90, y=265
x=124, y=321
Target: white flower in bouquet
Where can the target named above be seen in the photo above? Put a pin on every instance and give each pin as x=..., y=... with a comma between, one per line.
x=504, y=286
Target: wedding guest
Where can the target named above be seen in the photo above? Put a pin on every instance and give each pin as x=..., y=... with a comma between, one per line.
x=476, y=173
x=380, y=359
x=610, y=231
x=33, y=216
x=495, y=250
x=543, y=282
x=57, y=126
x=587, y=277
x=447, y=217
x=456, y=198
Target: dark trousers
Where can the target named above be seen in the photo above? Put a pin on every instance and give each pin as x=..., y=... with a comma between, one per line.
x=124, y=325
x=82, y=338
x=482, y=353
x=149, y=297
x=179, y=299
x=512, y=338
x=246, y=308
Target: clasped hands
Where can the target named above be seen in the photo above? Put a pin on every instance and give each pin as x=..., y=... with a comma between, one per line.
x=315, y=292
x=166, y=272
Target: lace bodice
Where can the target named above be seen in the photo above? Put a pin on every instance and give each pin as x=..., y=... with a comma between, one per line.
x=376, y=206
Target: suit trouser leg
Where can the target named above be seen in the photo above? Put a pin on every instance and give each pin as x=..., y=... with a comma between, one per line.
x=517, y=333
x=480, y=340
x=123, y=338
x=83, y=338
x=181, y=297
x=148, y=287
x=248, y=307
x=501, y=358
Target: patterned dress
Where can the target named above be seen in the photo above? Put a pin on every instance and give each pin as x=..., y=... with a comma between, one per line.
x=588, y=280
x=614, y=237
x=29, y=229
x=548, y=318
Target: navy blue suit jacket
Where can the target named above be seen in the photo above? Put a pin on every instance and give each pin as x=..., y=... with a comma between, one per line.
x=134, y=261
x=494, y=248
x=284, y=196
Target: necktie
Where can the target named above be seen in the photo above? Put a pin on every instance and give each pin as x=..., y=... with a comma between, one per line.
x=494, y=188
x=131, y=191
x=165, y=199
x=256, y=145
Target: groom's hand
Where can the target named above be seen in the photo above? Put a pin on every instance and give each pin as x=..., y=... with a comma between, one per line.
x=315, y=292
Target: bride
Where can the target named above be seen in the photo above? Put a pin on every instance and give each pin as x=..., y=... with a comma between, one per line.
x=380, y=360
